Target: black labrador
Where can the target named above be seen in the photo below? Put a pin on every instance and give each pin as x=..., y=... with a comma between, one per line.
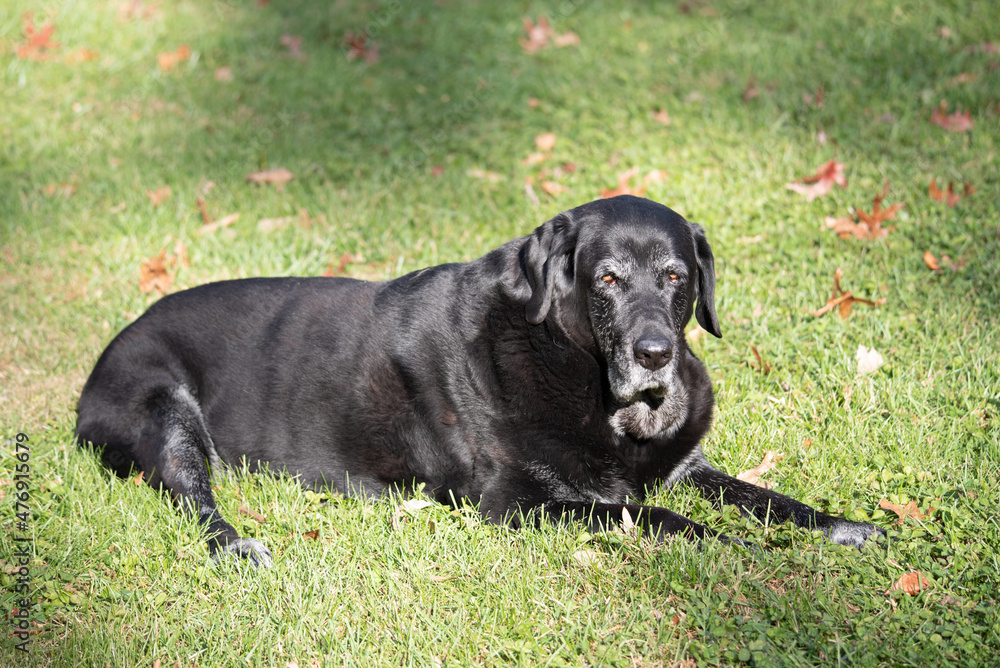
x=550, y=375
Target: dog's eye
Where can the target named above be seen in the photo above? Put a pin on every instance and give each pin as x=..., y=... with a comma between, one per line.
x=672, y=277
x=609, y=279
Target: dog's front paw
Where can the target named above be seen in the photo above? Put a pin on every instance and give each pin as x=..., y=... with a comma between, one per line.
x=250, y=549
x=855, y=534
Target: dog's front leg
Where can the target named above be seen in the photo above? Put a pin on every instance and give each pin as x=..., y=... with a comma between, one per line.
x=768, y=506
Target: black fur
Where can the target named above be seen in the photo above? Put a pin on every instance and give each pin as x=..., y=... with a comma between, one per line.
x=551, y=374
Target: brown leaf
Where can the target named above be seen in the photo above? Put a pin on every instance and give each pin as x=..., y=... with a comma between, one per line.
x=752, y=476
x=224, y=74
x=171, y=59
x=911, y=583
x=662, y=116
x=842, y=299
x=154, y=274
x=869, y=225
x=541, y=33
x=931, y=261
x=822, y=181
x=534, y=159
x=314, y=534
x=294, y=45
x=566, y=39
x=158, y=196
x=360, y=46
x=762, y=366
x=225, y=221
x=624, y=188
x=38, y=44
x=956, y=122
x=949, y=196
x=138, y=480
x=64, y=189
x=345, y=259
x=552, y=188
x=909, y=510
x=251, y=513
x=277, y=177
x=545, y=141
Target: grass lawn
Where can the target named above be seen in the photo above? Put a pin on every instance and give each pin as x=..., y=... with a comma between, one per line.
x=418, y=153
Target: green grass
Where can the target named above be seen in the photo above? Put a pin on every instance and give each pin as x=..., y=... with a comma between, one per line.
x=119, y=578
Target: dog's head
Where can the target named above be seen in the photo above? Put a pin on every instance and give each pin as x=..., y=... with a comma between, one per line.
x=627, y=274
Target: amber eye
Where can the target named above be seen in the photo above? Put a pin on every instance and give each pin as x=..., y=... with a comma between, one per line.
x=672, y=277
x=609, y=279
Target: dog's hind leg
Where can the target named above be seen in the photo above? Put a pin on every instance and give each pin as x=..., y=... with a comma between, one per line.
x=175, y=450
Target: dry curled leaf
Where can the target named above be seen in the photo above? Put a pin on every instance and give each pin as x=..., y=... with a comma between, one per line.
x=821, y=182
x=312, y=535
x=770, y=461
x=294, y=45
x=949, y=196
x=545, y=141
x=662, y=116
x=931, y=261
x=552, y=188
x=214, y=226
x=843, y=300
x=277, y=177
x=243, y=509
x=360, y=46
x=762, y=366
x=158, y=196
x=869, y=360
x=540, y=34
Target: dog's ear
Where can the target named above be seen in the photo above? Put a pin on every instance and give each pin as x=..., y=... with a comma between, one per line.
x=704, y=311
x=547, y=262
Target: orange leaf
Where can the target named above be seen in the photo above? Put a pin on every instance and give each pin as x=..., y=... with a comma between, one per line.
x=171, y=59
x=225, y=221
x=956, y=122
x=911, y=583
x=545, y=141
x=278, y=177
x=35, y=40
x=552, y=188
x=314, y=534
x=909, y=510
x=154, y=274
x=843, y=299
x=156, y=197
x=869, y=225
x=822, y=181
x=662, y=117
x=752, y=476
x=251, y=513
x=623, y=185
x=931, y=261
x=541, y=33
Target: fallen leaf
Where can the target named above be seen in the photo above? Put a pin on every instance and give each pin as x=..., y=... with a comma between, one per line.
x=654, y=176
x=38, y=44
x=770, y=461
x=486, y=175
x=278, y=177
x=552, y=188
x=64, y=189
x=82, y=55
x=869, y=225
x=138, y=480
x=272, y=224
x=902, y=512
x=949, y=196
x=212, y=227
x=534, y=159
x=545, y=141
x=539, y=35
x=224, y=74
x=251, y=513
x=822, y=181
x=413, y=505
x=158, y=196
x=294, y=45
x=956, y=122
x=154, y=273
x=869, y=360
x=842, y=299
x=342, y=263
x=662, y=116
x=762, y=366
x=533, y=103
x=627, y=523
x=931, y=261
x=171, y=59
x=312, y=535
x=360, y=46
x=624, y=188
x=751, y=91
x=911, y=583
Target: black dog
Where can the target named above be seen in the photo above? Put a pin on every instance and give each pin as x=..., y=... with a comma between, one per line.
x=551, y=374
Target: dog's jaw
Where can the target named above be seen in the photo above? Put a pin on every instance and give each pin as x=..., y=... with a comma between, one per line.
x=653, y=409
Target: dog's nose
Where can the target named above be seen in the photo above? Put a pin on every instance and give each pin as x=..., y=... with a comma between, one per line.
x=652, y=353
